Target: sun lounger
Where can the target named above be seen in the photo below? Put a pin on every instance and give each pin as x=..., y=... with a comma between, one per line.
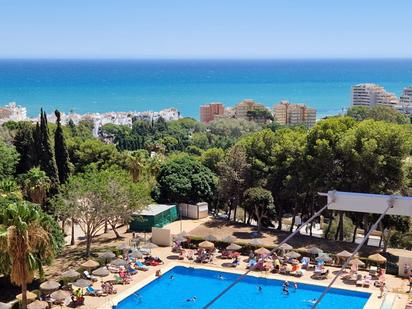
x=130, y=270
x=141, y=266
x=91, y=291
x=88, y=276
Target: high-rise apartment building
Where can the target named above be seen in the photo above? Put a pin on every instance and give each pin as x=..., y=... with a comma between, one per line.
x=208, y=112
x=406, y=100
x=293, y=114
x=241, y=110
x=371, y=95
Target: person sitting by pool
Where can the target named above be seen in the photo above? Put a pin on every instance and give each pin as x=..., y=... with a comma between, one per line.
x=158, y=273
x=192, y=299
x=235, y=261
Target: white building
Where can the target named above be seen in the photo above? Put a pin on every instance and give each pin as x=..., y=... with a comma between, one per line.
x=13, y=112
x=406, y=100
x=371, y=95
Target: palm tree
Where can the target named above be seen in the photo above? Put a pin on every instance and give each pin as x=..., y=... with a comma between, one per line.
x=136, y=162
x=24, y=244
x=36, y=184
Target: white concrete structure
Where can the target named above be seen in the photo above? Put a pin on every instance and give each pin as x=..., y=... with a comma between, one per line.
x=369, y=203
x=371, y=95
x=12, y=112
x=406, y=100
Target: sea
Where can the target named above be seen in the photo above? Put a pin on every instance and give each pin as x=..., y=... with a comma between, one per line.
x=84, y=86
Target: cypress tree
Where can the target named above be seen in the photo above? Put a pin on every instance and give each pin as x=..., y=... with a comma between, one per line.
x=60, y=151
x=46, y=157
x=25, y=145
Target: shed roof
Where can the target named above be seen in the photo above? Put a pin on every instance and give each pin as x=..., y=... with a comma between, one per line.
x=154, y=209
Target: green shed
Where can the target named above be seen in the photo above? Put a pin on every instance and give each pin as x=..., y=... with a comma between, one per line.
x=155, y=215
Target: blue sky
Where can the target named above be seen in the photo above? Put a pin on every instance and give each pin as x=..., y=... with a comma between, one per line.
x=205, y=29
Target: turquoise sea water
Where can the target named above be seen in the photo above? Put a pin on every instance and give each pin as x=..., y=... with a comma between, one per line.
x=127, y=85
x=205, y=285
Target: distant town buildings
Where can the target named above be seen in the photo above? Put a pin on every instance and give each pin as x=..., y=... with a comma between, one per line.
x=294, y=114
x=372, y=95
x=209, y=112
x=406, y=100
x=12, y=112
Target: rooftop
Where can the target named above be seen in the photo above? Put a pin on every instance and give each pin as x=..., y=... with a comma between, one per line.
x=155, y=209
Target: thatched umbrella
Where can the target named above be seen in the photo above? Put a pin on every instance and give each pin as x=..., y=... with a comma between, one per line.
x=49, y=286
x=256, y=242
x=211, y=238
x=292, y=255
x=30, y=296
x=119, y=262
x=233, y=247
x=108, y=255
x=377, y=258
x=136, y=254
x=180, y=238
x=101, y=272
x=344, y=254
x=90, y=264
x=314, y=250
x=38, y=304
x=285, y=247
x=229, y=239
x=70, y=274
x=183, y=234
x=81, y=283
x=206, y=245
x=262, y=251
x=356, y=262
x=324, y=257
x=150, y=246
x=60, y=295
x=123, y=247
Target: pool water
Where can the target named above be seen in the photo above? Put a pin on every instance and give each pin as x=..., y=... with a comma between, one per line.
x=186, y=283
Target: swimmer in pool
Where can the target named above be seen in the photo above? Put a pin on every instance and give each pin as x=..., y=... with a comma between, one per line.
x=221, y=277
x=171, y=277
x=260, y=289
x=192, y=299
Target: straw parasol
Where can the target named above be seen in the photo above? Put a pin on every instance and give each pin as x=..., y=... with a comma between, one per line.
x=150, y=246
x=81, y=283
x=60, y=295
x=136, y=254
x=256, y=242
x=180, y=238
x=119, y=262
x=108, y=255
x=90, y=264
x=233, y=247
x=70, y=274
x=123, y=247
x=262, y=251
x=377, y=258
x=229, y=239
x=101, y=272
x=356, y=262
x=30, y=296
x=38, y=304
x=183, y=234
x=324, y=257
x=285, y=247
x=344, y=254
x=315, y=250
x=292, y=255
x=206, y=245
x=211, y=238
x=49, y=286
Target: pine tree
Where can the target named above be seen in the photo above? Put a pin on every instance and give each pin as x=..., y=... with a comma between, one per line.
x=46, y=157
x=60, y=151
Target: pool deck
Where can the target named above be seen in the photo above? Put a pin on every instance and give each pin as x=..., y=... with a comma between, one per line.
x=143, y=278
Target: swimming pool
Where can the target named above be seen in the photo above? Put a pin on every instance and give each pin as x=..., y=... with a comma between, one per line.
x=180, y=284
